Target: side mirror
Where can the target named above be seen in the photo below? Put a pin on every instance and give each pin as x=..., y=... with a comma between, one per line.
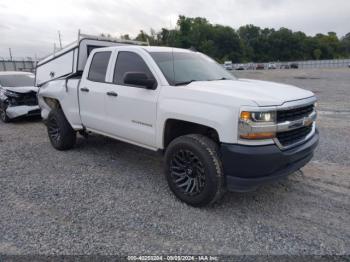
x=139, y=79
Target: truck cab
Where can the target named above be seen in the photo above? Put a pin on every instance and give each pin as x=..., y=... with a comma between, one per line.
x=216, y=132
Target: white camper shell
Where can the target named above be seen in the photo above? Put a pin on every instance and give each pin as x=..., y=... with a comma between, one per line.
x=71, y=59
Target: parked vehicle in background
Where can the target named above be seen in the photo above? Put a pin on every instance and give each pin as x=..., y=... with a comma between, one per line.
x=18, y=95
x=271, y=66
x=217, y=132
x=251, y=66
x=294, y=65
x=260, y=67
x=228, y=65
x=285, y=66
x=240, y=67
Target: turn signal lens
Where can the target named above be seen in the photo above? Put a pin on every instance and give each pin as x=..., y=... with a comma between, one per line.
x=255, y=136
x=245, y=115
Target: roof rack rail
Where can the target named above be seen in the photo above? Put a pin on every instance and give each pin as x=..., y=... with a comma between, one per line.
x=110, y=38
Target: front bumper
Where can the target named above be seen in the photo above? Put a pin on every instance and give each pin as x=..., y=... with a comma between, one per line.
x=19, y=111
x=247, y=167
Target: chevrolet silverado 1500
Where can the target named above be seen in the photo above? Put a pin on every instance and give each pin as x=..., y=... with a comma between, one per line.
x=217, y=132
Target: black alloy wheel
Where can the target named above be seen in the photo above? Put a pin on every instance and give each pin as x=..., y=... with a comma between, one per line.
x=187, y=172
x=53, y=130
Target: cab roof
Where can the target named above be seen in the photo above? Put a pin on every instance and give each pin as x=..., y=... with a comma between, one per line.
x=148, y=48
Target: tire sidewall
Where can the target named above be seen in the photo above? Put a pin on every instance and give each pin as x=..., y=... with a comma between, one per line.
x=3, y=116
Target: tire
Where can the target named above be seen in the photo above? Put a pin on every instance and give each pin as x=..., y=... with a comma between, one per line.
x=62, y=136
x=194, y=171
x=3, y=116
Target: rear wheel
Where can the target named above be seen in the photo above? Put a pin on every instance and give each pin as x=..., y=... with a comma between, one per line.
x=194, y=170
x=3, y=115
x=62, y=135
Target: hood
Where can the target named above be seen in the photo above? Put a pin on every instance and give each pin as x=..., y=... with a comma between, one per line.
x=21, y=89
x=263, y=93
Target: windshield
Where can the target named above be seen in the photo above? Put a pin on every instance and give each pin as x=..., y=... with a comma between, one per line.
x=16, y=80
x=181, y=68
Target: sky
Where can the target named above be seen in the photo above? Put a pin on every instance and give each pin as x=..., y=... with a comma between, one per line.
x=30, y=27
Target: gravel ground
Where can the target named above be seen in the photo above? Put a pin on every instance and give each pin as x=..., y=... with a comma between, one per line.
x=108, y=197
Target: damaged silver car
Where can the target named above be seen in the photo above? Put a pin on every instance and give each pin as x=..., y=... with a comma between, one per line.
x=18, y=96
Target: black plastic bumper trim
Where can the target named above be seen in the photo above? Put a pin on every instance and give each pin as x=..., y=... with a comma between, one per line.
x=247, y=167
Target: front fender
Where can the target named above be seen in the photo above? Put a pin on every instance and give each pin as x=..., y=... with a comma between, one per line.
x=220, y=118
x=67, y=96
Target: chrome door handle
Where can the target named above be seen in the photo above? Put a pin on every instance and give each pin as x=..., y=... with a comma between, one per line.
x=84, y=89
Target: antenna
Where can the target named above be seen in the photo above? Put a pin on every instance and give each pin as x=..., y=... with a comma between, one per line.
x=10, y=53
x=59, y=38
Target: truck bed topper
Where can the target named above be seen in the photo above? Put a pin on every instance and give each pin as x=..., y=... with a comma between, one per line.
x=71, y=59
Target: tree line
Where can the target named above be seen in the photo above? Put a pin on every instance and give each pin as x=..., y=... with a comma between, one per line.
x=249, y=43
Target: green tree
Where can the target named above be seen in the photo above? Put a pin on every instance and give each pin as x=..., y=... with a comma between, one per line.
x=142, y=36
x=317, y=54
x=125, y=37
x=249, y=42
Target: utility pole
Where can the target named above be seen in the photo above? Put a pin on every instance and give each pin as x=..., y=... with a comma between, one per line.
x=59, y=38
x=10, y=54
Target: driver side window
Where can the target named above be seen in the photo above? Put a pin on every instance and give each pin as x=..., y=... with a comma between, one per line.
x=129, y=62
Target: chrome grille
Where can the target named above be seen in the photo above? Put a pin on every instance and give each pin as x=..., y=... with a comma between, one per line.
x=294, y=136
x=294, y=113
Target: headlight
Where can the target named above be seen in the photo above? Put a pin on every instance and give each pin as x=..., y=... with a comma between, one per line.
x=252, y=125
x=2, y=94
x=264, y=116
x=258, y=116
x=11, y=94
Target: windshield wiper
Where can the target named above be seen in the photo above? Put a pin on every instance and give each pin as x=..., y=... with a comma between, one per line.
x=185, y=83
x=189, y=82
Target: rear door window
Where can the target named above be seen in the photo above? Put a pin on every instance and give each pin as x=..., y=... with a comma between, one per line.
x=98, y=67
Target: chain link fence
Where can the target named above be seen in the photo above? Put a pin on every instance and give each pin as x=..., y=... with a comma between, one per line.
x=333, y=63
x=26, y=64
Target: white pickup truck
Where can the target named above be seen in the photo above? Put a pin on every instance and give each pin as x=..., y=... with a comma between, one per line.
x=217, y=132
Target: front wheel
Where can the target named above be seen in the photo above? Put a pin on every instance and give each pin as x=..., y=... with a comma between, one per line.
x=194, y=171
x=62, y=135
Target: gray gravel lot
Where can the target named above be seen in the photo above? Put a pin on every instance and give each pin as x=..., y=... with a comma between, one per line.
x=108, y=197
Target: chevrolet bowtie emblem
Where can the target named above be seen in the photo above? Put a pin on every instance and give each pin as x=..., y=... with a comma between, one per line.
x=307, y=121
